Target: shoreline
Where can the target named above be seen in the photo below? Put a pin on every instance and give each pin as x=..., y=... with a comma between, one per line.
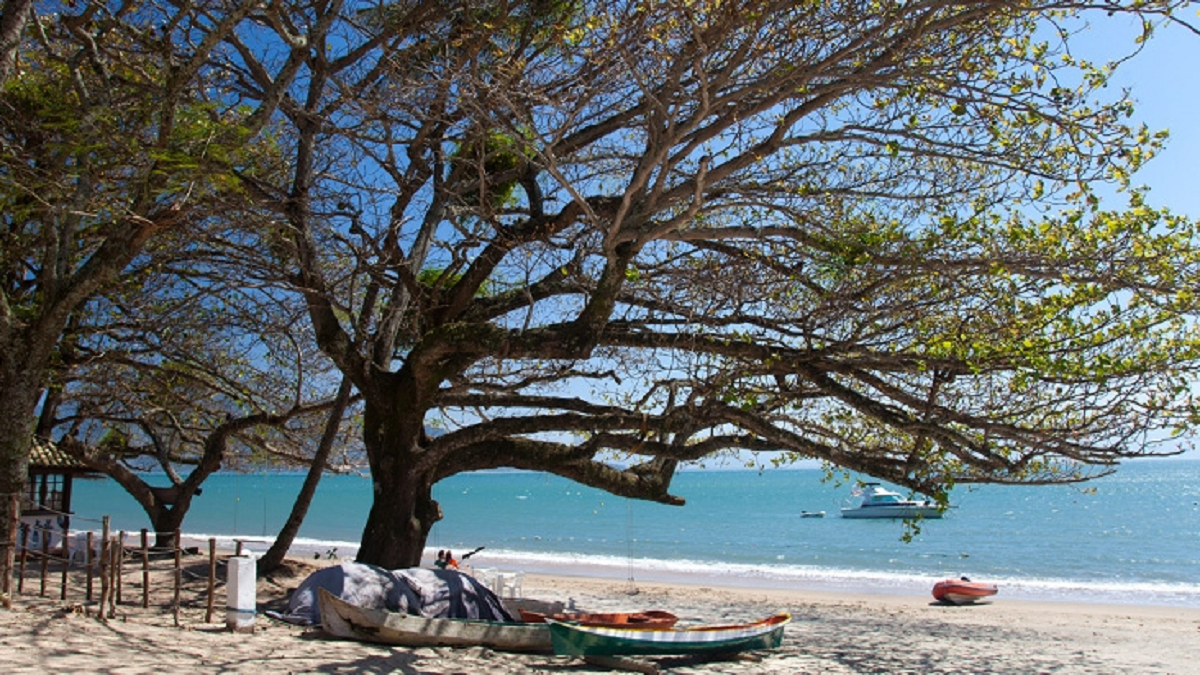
x=1045, y=545
x=919, y=587
x=1133, y=594
x=799, y=596
x=830, y=632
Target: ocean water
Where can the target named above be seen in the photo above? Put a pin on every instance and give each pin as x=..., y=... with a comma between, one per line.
x=1133, y=537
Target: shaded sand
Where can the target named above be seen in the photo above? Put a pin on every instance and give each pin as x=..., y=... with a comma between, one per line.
x=830, y=633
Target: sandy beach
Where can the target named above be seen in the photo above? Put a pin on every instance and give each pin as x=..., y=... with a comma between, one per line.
x=829, y=633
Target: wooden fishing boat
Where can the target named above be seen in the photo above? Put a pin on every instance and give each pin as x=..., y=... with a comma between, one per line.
x=651, y=618
x=962, y=591
x=341, y=619
x=578, y=640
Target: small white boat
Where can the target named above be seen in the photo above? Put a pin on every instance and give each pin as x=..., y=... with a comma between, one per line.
x=879, y=502
x=812, y=514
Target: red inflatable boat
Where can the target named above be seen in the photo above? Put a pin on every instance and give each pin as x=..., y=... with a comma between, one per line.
x=962, y=591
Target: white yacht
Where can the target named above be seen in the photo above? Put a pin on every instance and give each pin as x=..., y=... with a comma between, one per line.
x=879, y=502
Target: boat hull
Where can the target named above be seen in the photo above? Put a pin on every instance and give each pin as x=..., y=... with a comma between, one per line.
x=577, y=640
x=341, y=619
x=648, y=619
x=957, y=592
x=927, y=512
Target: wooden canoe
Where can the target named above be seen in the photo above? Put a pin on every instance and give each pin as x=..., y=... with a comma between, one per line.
x=341, y=619
x=651, y=618
x=578, y=640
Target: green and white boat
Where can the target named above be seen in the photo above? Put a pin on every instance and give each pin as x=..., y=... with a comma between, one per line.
x=572, y=639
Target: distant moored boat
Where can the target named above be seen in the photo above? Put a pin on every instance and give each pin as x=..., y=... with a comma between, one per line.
x=878, y=502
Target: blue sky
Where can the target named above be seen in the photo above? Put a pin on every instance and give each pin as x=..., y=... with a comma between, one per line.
x=1165, y=81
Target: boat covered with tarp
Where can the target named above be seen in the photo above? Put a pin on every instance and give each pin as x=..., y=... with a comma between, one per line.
x=344, y=620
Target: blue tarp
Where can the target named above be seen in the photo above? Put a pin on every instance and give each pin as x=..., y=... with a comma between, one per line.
x=435, y=594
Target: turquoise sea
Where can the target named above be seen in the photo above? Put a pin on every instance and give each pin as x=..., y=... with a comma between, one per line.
x=1133, y=537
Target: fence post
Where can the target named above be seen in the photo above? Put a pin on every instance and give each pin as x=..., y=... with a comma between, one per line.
x=45, y=559
x=120, y=565
x=178, y=573
x=6, y=584
x=104, y=560
x=145, y=568
x=66, y=569
x=89, y=562
x=212, y=577
x=24, y=557
x=114, y=565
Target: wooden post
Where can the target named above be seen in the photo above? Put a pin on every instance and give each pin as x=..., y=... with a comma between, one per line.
x=212, y=577
x=114, y=564
x=178, y=573
x=89, y=562
x=24, y=558
x=6, y=584
x=238, y=552
x=103, y=570
x=120, y=565
x=66, y=565
x=45, y=559
x=145, y=568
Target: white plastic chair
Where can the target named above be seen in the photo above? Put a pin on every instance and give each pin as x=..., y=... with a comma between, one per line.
x=508, y=584
x=487, y=577
x=514, y=586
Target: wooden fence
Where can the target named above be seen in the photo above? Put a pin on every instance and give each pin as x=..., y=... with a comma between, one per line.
x=102, y=571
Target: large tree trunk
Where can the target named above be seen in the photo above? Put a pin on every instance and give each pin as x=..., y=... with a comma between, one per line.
x=287, y=534
x=14, y=467
x=166, y=520
x=399, y=523
x=19, y=395
x=402, y=509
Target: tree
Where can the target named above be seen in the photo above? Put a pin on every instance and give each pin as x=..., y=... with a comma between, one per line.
x=110, y=136
x=195, y=365
x=13, y=17
x=869, y=234
x=276, y=554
